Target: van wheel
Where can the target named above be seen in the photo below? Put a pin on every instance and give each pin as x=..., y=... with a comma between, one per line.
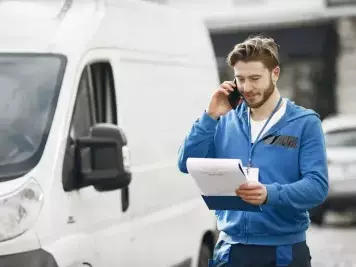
x=204, y=255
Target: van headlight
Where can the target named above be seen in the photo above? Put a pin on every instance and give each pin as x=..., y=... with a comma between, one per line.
x=20, y=209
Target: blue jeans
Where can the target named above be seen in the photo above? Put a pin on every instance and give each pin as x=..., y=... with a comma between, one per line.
x=239, y=255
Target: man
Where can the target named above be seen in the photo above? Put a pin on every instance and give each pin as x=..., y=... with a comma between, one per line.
x=282, y=146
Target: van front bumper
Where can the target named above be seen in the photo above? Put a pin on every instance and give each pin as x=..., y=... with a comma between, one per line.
x=34, y=258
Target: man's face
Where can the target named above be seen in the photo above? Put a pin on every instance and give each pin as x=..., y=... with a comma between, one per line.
x=255, y=82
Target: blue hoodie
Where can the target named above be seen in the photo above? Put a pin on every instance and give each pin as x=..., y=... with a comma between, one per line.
x=292, y=163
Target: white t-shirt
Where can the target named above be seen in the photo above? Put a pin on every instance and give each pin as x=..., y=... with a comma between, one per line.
x=256, y=126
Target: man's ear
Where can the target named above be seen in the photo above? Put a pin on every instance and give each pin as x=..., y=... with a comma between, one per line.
x=275, y=74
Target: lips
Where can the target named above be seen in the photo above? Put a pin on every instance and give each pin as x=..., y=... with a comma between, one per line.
x=249, y=95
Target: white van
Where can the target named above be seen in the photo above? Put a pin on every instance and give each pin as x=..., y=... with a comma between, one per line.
x=96, y=98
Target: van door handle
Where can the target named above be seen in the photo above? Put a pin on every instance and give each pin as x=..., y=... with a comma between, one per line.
x=125, y=199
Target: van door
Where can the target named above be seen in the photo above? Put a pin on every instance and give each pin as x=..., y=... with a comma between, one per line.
x=96, y=213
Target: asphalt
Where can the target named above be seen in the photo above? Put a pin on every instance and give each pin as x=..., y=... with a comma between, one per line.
x=334, y=243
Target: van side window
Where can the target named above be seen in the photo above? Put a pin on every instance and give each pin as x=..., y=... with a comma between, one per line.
x=103, y=88
x=96, y=100
x=83, y=117
x=95, y=103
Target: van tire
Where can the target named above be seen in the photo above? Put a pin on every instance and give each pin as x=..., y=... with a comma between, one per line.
x=204, y=255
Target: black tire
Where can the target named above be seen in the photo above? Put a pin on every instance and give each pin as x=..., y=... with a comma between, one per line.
x=317, y=215
x=204, y=255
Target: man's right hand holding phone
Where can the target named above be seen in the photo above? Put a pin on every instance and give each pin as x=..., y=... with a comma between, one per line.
x=219, y=103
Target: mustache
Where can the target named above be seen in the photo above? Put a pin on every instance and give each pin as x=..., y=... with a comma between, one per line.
x=257, y=91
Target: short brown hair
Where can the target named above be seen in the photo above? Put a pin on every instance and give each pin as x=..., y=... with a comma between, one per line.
x=255, y=48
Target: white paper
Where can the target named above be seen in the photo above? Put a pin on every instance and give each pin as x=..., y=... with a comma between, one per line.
x=217, y=177
x=252, y=174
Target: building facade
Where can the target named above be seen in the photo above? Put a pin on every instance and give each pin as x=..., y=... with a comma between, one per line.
x=317, y=44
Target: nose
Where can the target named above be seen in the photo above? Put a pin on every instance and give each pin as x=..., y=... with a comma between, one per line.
x=247, y=87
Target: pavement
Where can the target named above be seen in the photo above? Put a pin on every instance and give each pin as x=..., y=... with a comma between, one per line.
x=334, y=243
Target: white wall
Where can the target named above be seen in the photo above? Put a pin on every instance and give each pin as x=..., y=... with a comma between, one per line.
x=347, y=67
x=227, y=15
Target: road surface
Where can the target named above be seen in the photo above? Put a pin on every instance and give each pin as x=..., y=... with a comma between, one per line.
x=334, y=244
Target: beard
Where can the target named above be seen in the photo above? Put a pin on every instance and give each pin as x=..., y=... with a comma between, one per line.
x=265, y=96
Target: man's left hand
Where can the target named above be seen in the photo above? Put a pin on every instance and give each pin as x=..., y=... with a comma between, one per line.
x=252, y=192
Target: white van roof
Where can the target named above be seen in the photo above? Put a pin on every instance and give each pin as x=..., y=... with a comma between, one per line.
x=27, y=25
x=53, y=26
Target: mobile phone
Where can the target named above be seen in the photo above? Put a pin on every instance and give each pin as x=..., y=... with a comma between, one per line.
x=235, y=97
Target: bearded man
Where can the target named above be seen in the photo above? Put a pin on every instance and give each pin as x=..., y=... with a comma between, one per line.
x=282, y=146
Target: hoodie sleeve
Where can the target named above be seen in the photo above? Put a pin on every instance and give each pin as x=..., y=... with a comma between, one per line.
x=199, y=143
x=312, y=189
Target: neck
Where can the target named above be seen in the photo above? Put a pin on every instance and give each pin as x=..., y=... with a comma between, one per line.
x=264, y=111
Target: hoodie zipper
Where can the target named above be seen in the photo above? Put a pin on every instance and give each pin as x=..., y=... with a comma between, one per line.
x=277, y=127
x=246, y=213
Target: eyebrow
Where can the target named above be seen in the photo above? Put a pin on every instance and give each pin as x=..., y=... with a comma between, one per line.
x=251, y=76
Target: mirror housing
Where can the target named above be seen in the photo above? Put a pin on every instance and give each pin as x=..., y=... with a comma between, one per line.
x=102, y=158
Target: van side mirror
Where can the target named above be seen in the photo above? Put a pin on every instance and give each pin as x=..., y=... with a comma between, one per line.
x=102, y=158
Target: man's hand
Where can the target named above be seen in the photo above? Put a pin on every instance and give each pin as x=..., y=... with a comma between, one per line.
x=219, y=104
x=252, y=192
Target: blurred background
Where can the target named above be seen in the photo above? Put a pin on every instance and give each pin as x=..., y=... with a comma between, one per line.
x=317, y=41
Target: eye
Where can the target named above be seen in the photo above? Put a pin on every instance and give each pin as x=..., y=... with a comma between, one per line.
x=255, y=78
x=241, y=80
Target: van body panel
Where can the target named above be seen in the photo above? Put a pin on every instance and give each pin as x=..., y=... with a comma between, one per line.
x=164, y=72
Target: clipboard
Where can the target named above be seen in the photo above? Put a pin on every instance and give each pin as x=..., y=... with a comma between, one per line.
x=217, y=180
x=229, y=203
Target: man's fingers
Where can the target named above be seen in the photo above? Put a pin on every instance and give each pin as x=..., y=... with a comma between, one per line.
x=250, y=186
x=249, y=192
x=231, y=83
x=227, y=86
x=252, y=201
x=251, y=198
x=224, y=91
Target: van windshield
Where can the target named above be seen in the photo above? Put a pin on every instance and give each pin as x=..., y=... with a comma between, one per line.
x=30, y=86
